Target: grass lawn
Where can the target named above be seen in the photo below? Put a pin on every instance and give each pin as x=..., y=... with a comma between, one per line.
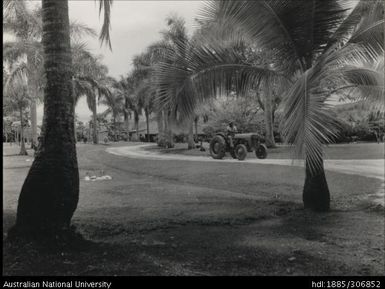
x=178, y=218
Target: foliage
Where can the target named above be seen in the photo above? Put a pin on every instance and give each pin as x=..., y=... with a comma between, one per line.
x=244, y=112
x=308, y=57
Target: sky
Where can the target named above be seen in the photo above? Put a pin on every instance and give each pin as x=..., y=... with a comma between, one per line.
x=134, y=25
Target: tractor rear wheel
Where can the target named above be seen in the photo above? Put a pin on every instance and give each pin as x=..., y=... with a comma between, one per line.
x=217, y=147
x=240, y=152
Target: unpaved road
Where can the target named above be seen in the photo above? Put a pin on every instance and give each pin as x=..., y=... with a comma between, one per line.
x=368, y=168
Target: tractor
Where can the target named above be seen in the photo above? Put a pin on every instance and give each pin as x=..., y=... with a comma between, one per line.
x=242, y=144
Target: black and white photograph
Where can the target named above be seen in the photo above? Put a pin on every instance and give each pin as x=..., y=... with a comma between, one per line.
x=193, y=138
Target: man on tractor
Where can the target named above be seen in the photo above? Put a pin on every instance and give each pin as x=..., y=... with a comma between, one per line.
x=231, y=130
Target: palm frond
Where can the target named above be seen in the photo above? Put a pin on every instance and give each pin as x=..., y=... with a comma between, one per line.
x=78, y=30
x=342, y=35
x=20, y=20
x=307, y=121
x=368, y=82
x=370, y=31
x=82, y=88
x=104, y=36
x=292, y=38
x=18, y=72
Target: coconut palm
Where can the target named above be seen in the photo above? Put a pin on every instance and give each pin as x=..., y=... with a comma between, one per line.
x=146, y=95
x=17, y=99
x=26, y=25
x=315, y=44
x=90, y=79
x=144, y=65
x=176, y=47
x=94, y=87
x=50, y=193
x=123, y=87
x=135, y=104
x=115, y=103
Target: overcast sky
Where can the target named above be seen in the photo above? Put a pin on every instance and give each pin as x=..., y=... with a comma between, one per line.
x=135, y=25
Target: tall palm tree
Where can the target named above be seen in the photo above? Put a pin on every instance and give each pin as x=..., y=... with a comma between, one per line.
x=99, y=90
x=17, y=99
x=175, y=49
x=144, y=65
x=50, y=193
x=135, y=104
x=26, y=25
x=147, y=95
x=90, y=79
x=123, y=87
x=115, y=103
x=317, y=44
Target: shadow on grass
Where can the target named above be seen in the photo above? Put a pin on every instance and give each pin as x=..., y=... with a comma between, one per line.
x=190, y=247
x=259, y=237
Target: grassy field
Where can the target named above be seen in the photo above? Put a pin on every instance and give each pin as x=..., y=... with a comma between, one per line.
x=177, y=218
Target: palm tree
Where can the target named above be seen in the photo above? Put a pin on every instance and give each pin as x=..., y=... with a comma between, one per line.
x=99, y=90
x=50, y=193
x=175, y=46
x=124, y=88
x=115, y=103
x=147, y=95
x=135, y=104
x=144, y=65
x=17, y=99
x=26, y=25
x=91, y=80
x=315, y=44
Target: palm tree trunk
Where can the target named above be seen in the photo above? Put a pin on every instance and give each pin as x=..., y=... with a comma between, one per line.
x=268, y=110
x=169, y=133
x=126, y=118
x=33, y=91
x=50, y=192
x=196, y=119
x=89, y=131
x=316, y=195
x=147, y=124
x=115, y=129
x=127, y=123
x=34, y=122
x=136, y=119
x=190, y=137
x=23, y=151
x=95, y=125
x=160, y=122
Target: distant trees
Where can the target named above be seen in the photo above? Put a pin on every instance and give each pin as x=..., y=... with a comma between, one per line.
x=17, y=98
x=25, y=53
